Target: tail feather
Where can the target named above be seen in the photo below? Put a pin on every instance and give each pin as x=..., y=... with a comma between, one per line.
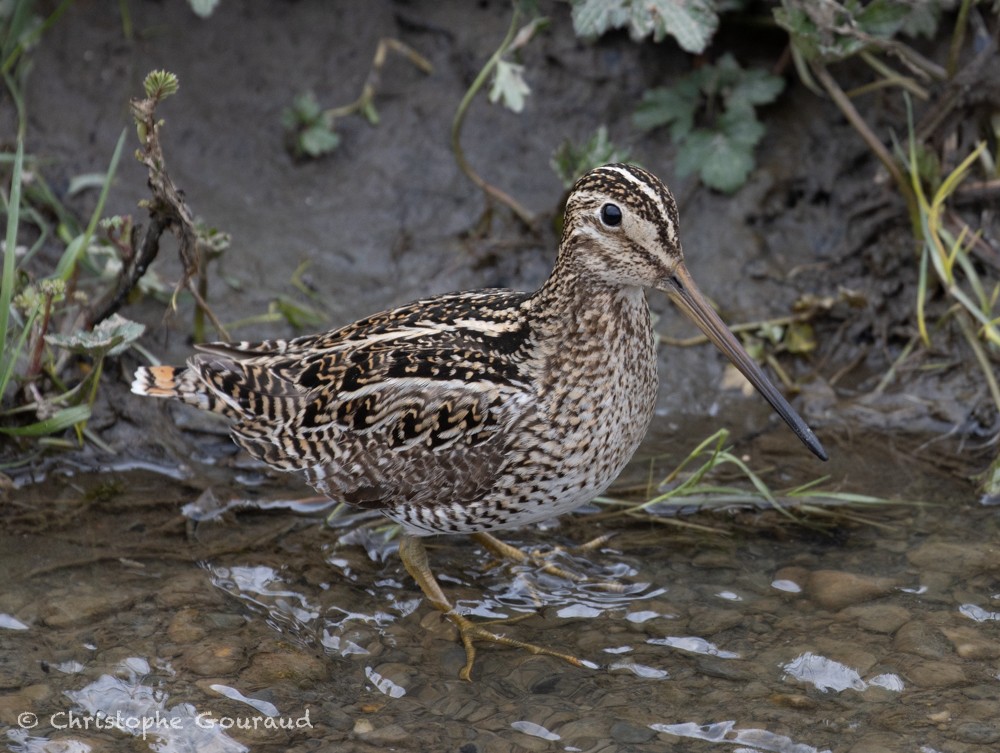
x=180, y=383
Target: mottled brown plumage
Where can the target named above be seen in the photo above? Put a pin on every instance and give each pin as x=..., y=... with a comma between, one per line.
x=482, y=410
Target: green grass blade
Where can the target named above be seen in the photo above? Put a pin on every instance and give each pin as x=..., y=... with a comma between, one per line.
x=62, y=420
x=71, y=256
x=9, y=262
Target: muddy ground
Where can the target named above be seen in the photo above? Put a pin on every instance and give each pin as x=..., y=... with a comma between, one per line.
x=389, y=217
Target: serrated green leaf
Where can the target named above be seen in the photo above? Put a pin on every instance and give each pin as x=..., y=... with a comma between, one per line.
x=318, y=140
x=509, y=87
x=727, y=167
x=111, y=337
x=691, y=22
x=755, y=87
x=676, y=105
x=721, y=162
x=741, y=128
x=592, y=18
x=694, y=150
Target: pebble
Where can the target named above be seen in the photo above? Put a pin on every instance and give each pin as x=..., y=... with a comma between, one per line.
x=981, y=733
x=924, y=640
x=185, y=627
x=212, y=658
x=970, y=643
x=944, y=556
x=25, y=699
x=627, y=733
x=794, y=701
x=290, y=665
x=83, y=605
x=835, y=589
x=878, y=618
x=933, y=674
x=878, y=742
x=711, y=621
x=390, y=734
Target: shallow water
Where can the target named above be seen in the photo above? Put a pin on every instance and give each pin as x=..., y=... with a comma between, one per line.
x=828, y=634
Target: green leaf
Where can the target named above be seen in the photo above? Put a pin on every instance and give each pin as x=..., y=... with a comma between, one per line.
x=111, y=337
x=509, y=87
x=60, y=421
x=592, y=18
x=85, y=181
x=676, y=105
x=691, y=22
x=160, y=84
x=318, y=140
x=754, y=87
x=721, y=151
x=305, y=110
x=882, y=18
x=833, y=31
x=570, y=161
x=741, y=128
x=722, y=163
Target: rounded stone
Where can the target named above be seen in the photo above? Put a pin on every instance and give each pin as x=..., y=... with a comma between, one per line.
x=212, y=658
x=922, y=640
x=934, y=674
x=980, y=733
x=878, y=618
x=835, y=589
x=970, y=643
x=627, y=733
x=292, y=666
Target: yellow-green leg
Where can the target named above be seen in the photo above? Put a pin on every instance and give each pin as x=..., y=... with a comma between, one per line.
x=414, y=556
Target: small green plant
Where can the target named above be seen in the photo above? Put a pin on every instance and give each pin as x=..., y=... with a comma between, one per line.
x=691, y=22
x=570, y=161
x=711, y=114
x=32, y=311
x=691, y=483
x=63, y=316
x=509, y=89
x=311, y=130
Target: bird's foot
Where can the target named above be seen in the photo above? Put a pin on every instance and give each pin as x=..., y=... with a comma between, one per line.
x=414, y=556
x=473, y=632
x=542, y=560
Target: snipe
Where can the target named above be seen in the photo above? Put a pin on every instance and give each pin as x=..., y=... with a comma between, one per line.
x=484, y=410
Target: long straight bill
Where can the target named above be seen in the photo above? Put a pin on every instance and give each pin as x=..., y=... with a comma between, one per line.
x=683, y=292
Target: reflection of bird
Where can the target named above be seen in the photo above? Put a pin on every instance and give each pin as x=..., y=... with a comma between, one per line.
x=477, y=411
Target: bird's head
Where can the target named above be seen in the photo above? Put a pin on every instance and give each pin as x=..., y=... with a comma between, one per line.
x=621, y=229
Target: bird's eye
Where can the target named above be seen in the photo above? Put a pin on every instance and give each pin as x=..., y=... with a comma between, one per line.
x=611, y=215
